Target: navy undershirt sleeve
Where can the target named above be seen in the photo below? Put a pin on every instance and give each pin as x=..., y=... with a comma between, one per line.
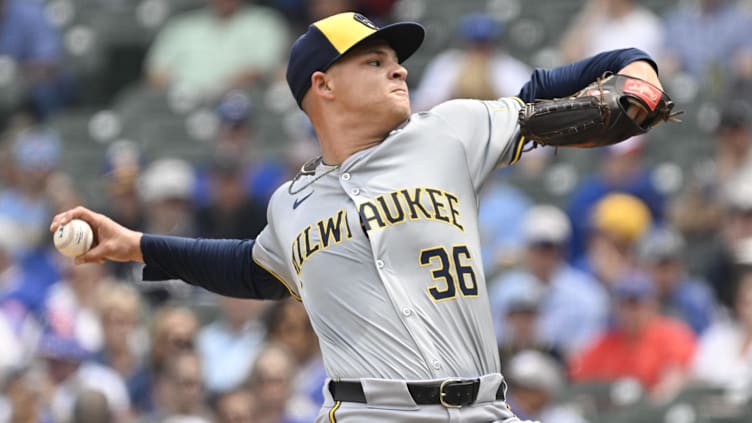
x=567, y=80
x=222, y=266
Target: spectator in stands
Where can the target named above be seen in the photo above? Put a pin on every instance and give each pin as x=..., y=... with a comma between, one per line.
x=476, y=68
x=13, y=351
x=10, y=272
x=288, y=326
x=733, y=141
x=379, y=9
x=119, y=311
x=24, y=203
x=181, y=393
x=173, y=330
x=615, y=225
x=229, y=344
x=22, y=397
x=237, y=138
x=236, y=131
x=724, y=354
x=698, y=210
x=661, y=256
x=612, y=24
x=707, y=39
x=35, y=157
x=11, y=278
x=502, y=245
x=739, y=85
x=208, y=50
x=91, y=406
x=231, y=211
x=736, y=227
x=62, y=193
x=70, y=371
x=29, y=38
x=166, y=190
x=641, y=344
x=234, y=406
x=271, y=383
x=574, y=306
x=620, y=169
x=319, y=9
x=535, y=381
x=166, y=187
x=123, y=163
x=301, y=13
x=520, y=325
x=71, y=306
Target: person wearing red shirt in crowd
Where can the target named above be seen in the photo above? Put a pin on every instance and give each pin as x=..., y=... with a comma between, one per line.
x=641, y=344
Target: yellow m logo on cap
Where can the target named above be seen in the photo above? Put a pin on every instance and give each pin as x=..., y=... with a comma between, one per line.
x=345, y=29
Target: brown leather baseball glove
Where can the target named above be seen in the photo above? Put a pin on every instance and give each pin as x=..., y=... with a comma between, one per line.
x=608, y=111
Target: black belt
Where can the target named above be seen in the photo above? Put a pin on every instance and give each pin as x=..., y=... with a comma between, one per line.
x=449, y=393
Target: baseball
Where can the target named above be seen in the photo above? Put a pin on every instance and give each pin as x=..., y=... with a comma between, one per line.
x=74, y=238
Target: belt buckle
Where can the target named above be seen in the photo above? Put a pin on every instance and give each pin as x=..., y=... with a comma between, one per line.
x=442, y=394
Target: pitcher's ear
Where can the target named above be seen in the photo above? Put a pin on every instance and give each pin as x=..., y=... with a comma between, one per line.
x=321, y=85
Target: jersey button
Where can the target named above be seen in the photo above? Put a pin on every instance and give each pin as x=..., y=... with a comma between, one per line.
x=355, y=191
x=345, y=176
x=406, y=311
x=380, y=264
x=436, y=364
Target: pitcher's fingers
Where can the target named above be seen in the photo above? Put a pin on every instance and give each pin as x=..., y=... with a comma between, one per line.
x=637, y=113
x=98, y=254
x=76, y=213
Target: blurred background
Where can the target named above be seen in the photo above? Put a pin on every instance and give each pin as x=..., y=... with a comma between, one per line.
x=624, y=295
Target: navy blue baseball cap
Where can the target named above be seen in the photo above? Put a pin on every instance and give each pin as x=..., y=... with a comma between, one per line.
x=328, y=39
x=634, y=286
x=479, y=28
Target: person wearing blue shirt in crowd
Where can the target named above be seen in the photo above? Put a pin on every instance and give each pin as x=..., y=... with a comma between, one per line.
x=681, y=296
x=707, y=39
x=237, y=138
x=24, y=203
x=620, y=170
x=229, y=344
x=28, y=37
x=573, y=306
x=501, y=202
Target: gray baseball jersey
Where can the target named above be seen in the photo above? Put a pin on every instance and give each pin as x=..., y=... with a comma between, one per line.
x=384, y=249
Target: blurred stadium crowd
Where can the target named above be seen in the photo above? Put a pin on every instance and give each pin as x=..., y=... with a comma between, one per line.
x=620, y=279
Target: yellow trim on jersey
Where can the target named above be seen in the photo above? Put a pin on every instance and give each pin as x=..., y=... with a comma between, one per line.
x=279, y=278
x=518, y=150
x=332, y=419
x=520, y=142
x=343, y=30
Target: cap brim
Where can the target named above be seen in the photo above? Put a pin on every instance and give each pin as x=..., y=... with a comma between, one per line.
x=404, y=37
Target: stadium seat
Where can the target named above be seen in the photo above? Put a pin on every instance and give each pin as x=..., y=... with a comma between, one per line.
x=82, y=157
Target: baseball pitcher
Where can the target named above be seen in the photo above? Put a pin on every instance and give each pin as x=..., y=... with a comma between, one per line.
x=378, y=237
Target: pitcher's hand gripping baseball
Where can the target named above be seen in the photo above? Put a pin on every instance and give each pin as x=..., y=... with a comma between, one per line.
x=111, y=240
